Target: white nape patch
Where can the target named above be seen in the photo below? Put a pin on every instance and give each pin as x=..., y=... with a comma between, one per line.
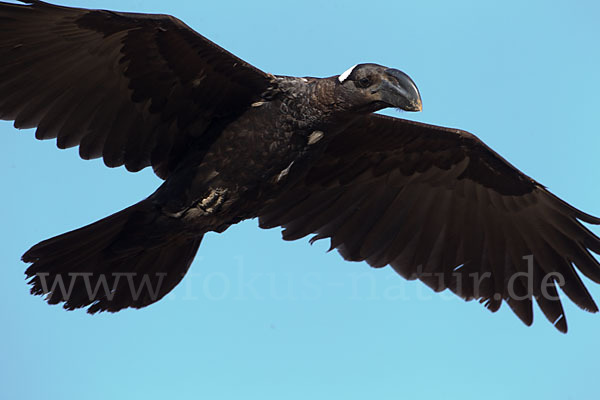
x=346, y=74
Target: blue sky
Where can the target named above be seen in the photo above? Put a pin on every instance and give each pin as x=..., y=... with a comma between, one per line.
x=261, y=318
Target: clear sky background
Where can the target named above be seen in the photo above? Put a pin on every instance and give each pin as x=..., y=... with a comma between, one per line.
x=261, y=318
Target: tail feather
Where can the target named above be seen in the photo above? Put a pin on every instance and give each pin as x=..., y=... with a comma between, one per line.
x=124, y=260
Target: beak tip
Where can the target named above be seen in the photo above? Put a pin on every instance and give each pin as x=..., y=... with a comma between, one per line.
x=414, y=106
x=418, y=105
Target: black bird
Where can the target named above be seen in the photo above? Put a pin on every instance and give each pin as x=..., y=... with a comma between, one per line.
x=308, y=154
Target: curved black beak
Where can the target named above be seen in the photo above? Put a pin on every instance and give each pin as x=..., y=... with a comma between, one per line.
x=398, y=90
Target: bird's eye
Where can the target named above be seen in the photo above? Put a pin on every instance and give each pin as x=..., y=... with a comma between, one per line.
x=364, y=82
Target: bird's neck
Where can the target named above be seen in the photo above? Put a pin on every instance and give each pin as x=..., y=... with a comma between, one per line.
x=311, y=103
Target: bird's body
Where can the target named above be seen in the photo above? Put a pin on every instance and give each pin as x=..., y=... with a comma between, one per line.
x=308, y=154
x=253, y=159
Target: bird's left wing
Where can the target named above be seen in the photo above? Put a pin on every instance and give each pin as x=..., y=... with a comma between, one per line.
x=438, y=205
x=134, y=89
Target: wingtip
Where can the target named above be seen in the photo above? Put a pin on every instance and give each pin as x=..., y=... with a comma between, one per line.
x=561, y=324
x=577, y=213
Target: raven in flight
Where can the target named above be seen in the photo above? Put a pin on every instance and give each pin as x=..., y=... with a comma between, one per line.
x=307, y=154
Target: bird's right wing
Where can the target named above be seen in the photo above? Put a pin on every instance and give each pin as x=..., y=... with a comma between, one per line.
x=438, y=205
x=135, y=89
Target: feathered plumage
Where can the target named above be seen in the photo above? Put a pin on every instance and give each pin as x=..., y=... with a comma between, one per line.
x=307, y=154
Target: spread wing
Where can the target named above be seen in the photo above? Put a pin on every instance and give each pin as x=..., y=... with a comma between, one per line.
x=135, y=89
x=438, y=205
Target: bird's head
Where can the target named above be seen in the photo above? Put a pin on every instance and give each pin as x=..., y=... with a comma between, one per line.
x=371, y=87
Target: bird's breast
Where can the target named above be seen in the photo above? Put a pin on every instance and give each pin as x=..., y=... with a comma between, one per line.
x=265, y=147
x=254, y=159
